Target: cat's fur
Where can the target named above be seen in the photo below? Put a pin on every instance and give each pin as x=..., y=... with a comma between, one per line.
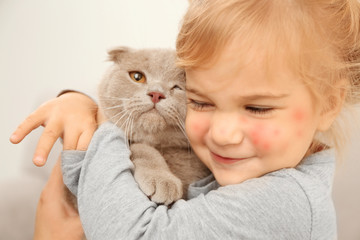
x=152, y=115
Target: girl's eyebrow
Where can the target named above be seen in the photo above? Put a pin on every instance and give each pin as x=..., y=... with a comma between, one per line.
x=249, y=97
x=264, y=96
x=194, y=91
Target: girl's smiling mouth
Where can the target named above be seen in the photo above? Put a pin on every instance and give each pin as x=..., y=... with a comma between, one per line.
x=225, y=160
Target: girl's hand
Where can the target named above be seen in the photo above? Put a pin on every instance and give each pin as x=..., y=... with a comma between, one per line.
x=71, y=116
x=56, y=218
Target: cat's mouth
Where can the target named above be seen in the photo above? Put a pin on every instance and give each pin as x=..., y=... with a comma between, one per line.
x=152, y=119
x=154, y=110
x=153, y=113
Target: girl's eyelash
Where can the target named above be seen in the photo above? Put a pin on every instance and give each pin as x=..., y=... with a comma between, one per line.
x=259, y=110
x=198, y=105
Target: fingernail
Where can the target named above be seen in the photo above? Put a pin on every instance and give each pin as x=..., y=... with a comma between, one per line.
x=39, y=160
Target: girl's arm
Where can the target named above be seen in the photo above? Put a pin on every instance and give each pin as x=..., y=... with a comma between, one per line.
x=56, y=218
x=111, y=205
x=71, y=116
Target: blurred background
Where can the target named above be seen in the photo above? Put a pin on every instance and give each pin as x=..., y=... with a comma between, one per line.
x=50, y=45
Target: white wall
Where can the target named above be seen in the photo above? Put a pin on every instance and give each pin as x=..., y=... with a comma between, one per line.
x=49, y=45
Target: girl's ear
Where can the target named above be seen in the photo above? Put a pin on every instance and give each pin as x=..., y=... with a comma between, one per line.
x=115, y=53
x=332, y=105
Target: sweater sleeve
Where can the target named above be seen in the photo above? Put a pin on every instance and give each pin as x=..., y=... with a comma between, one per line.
x=111, y=205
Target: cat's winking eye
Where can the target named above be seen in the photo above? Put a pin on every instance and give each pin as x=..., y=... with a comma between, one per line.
x=137, y=76
x=177, y=87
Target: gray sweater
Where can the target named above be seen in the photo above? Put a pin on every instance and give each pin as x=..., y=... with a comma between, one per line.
x=292, y=203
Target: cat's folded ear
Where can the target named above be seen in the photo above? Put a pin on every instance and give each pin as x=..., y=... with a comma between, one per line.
x=115, y=53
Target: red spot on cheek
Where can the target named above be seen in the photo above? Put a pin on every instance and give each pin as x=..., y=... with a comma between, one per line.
x=255, y=137
x=299, y=115
x=266, y=145
x=276, y=132
x=196, y=129
x=261, y=137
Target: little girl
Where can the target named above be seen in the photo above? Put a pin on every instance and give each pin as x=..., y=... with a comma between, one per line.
x=264, y=79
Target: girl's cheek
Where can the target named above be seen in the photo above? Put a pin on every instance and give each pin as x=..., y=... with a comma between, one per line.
x=266, y=138
x=197, y=127
x=298, y=116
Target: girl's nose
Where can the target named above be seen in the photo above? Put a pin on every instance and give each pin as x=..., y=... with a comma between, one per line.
x=226, y=130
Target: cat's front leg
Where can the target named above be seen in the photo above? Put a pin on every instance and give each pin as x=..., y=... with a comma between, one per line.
x=154, y=176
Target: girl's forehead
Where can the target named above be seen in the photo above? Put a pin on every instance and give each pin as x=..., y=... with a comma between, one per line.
x=250, y=76
x=254, y=58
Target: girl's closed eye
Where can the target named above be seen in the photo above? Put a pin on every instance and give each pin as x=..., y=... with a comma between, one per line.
x=198, y=105
x=259, y=110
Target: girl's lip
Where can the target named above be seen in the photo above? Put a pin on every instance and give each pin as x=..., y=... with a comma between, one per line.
x=225, y=160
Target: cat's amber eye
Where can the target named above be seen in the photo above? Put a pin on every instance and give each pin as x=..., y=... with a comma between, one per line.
x=138, y=77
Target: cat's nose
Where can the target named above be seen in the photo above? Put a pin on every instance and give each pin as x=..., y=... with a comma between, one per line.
x=156, y=96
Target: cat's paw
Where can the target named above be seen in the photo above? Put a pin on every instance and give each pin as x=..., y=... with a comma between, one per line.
x=160, y=186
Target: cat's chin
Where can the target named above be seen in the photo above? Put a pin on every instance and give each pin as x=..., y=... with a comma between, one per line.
x=152, y=121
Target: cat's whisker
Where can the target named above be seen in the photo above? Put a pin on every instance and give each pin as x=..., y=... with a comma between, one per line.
x=174, y=114
x=118, y=120
x=124, y=122
x=131, y=127
x=121, y=112
x=182, y=128
x=136, y=105
x=113, y=98
x=181, y=124
x=126, y=132
x=116, y=106
x=125, y=127
x=125, y=113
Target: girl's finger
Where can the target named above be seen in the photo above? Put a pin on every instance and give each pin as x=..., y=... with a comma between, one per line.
x=71, y=139
x=47, y=140
x=85, y=139
x=33, y=121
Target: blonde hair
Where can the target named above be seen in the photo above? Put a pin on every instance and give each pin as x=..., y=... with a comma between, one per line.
x=319, y=39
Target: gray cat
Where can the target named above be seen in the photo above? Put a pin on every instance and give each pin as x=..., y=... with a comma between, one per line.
x=143, y=93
